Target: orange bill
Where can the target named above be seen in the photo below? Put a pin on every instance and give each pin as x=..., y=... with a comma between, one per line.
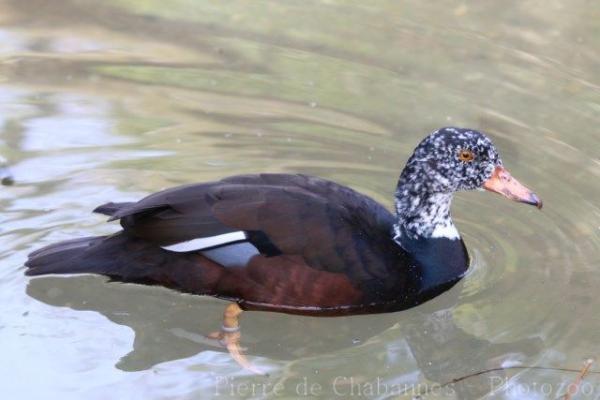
x=503, y=183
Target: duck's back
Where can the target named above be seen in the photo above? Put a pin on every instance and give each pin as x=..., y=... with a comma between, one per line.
x=289, y=243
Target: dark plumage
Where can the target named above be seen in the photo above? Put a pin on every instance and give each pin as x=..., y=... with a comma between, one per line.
x=295, y=243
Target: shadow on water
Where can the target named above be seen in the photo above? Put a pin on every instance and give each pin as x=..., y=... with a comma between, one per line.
x=171, y=327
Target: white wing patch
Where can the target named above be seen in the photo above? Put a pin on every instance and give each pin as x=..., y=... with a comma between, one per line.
x=236, y=255
x=447, y=231
x=231, y=250
x=206, y=242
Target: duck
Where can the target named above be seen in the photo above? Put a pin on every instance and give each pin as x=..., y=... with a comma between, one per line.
x=299, y=244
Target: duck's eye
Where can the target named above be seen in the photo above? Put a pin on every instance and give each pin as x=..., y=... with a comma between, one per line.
x=466, y=155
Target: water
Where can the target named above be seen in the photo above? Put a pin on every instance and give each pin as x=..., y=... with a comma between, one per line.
x=113, y=100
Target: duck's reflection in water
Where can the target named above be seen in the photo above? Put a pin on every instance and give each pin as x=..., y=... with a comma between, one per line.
x=170, y=326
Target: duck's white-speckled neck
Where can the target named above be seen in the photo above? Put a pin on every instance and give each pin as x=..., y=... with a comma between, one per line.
x=424, y=215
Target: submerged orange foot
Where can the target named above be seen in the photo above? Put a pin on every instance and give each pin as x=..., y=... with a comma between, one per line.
x=229, y=337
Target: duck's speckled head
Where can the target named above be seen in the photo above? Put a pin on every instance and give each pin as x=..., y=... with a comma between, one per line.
x=449, y=160
x=452, y=159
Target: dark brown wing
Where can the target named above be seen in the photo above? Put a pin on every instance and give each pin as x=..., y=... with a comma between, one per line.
x=331, y=227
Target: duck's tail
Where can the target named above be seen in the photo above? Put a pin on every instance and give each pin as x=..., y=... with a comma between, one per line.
x=118, y=256
x=111, y=208
x=65, y=258
x=126, y=258
x=95, y=255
